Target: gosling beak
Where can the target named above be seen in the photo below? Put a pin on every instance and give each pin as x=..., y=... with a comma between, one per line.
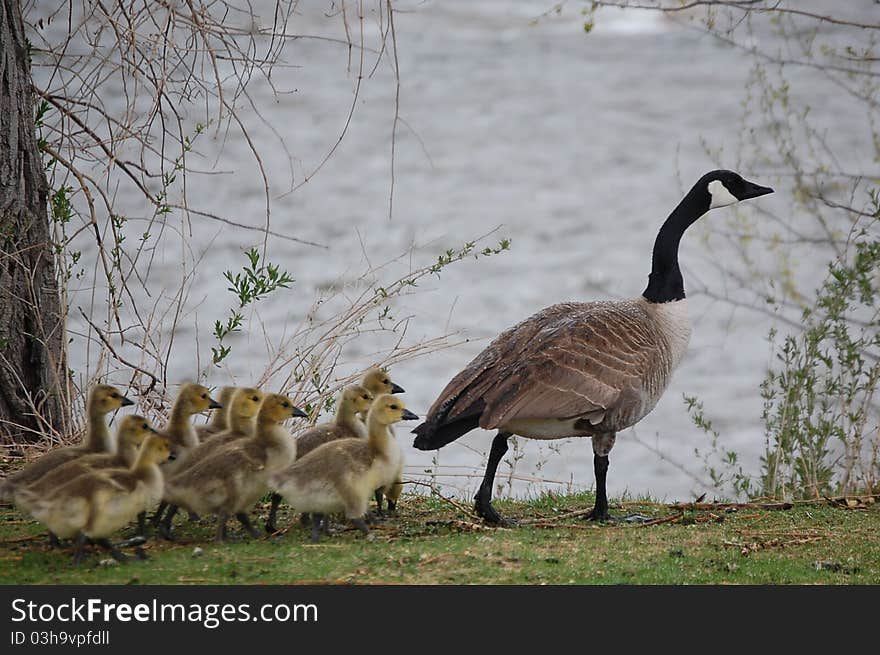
x=753, y=190
x=126, y=402
x=172, y=456
x=213, y=404
x=396, y=388
x=409, y=416
x=298, y=412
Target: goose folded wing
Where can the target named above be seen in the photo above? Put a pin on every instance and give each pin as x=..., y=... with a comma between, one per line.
x=561, y=378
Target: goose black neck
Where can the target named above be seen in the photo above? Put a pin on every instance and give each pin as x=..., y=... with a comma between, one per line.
x=665, y=283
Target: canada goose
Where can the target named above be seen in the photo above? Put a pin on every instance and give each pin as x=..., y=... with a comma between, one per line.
x=231, y=479
x=192, y=399
x=340, y=476
x=220, y=418
x=131, y=433
x=98, y=503
x=582, y=369
x=346, y=424
x=377, y=382
x=241, y=416
x=102, y=400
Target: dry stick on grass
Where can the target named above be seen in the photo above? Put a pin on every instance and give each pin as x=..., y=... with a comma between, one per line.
x=436, y=492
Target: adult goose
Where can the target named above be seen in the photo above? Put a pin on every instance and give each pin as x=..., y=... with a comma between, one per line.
x=582, y=369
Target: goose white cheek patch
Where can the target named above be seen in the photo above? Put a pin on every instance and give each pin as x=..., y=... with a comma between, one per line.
x=721, y=197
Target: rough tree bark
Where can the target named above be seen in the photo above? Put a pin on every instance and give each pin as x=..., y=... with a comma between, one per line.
x=32, y=361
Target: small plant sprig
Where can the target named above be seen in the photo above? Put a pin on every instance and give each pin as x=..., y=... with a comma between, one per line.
x=255, y=282
x=721, y=464
x=450, y=256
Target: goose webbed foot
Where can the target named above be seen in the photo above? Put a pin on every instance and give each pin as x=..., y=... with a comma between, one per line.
x=361, y=525
x=245, y=521
x=141, y=554
x=54, y=541
x=133, y=542
x=115, y=553
x=485, y=510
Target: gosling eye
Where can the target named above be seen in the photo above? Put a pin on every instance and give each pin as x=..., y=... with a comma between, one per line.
x=394, y=407
x=254, y=398
x=386, y=381
x=204, y=395
x=146, y=427
x=365, y=397
x=285, y=404
x=114, y=395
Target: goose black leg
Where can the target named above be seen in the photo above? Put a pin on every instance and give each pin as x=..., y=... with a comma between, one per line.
x=165, y=525
x=273, y=511
x=305, y=519
x=378, y=495
x=54, y=541
x=483, y=499
x=142, y=524
x=157, y=517
x=317, y=519
x=245, y=520
x=600, y=509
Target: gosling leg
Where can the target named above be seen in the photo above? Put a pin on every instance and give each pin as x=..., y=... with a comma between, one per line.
x=245, y=520
x=273, y=511
x=317, y=519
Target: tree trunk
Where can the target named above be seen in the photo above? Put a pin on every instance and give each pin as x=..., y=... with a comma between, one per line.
x=33, y=368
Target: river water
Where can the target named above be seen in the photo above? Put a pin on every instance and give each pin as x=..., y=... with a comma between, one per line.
x=575, y=146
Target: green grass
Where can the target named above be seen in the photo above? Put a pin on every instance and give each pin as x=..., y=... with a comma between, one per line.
x=431, y=542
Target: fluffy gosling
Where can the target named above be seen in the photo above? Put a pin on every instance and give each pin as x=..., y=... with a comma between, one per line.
x=232, y=479
x=346, y=424
x=97, y=504
x=340, y=476
x=103, y=399
x=220, y=418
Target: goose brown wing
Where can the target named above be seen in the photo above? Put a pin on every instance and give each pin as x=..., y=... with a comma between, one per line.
x=568, y=360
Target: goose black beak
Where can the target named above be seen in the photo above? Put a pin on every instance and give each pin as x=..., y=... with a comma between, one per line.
x=753, y=190
x=396, y=388
x=213, y=404
x=409, y=416
x=172, y=456
x=298, y=412
x=126, y=402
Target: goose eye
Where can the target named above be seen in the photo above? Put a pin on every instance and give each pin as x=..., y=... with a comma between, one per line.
x=285, y=404
x=146, y=427
x=114, y=395
x=204, y=395
x=365, y=397
x=394, y=407
x=254, y=398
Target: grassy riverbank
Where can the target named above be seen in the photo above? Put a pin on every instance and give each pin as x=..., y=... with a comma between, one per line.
x=433, y=542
